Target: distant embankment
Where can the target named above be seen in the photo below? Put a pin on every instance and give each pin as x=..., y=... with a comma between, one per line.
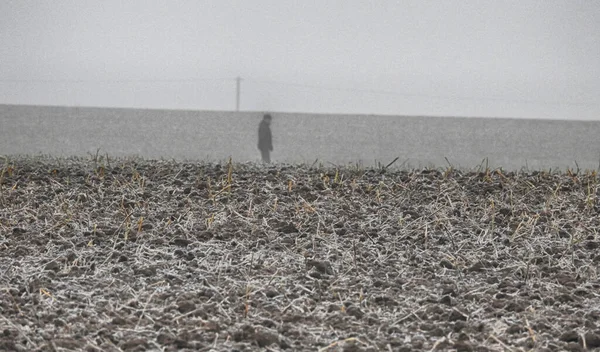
x=340, y=139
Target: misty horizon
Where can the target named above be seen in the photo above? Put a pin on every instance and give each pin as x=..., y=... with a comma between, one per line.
x=458, y=58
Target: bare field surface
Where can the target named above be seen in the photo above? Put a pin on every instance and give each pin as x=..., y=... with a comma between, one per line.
x=418, y=141
x=137, y=255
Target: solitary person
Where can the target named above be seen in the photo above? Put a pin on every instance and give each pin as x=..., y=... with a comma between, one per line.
x=265, y=142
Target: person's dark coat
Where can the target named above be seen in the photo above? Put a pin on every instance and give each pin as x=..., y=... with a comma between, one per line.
x=265, y=142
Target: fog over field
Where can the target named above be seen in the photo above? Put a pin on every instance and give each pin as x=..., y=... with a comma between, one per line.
x=531, y=59
x=347, y=81
x=300, y=138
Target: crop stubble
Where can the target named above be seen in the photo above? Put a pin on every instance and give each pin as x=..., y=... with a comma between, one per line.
x=130, y=255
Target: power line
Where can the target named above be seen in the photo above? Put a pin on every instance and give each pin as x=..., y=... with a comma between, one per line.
x=301, y=85
x=414, y=95
x=154, y=80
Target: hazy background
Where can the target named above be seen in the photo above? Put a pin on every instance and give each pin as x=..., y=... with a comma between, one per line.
x=533, y=59
x=416, y=141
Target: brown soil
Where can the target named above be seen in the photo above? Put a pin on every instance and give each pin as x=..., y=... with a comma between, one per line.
x=134, y=255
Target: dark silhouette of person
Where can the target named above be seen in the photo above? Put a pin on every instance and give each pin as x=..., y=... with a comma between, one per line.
x=265, y=141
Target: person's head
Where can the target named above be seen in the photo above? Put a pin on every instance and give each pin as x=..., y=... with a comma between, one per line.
x=267, y=118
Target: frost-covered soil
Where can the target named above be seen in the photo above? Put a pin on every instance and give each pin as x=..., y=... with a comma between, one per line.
x=139, y=255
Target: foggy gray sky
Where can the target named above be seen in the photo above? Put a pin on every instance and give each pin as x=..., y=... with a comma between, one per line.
x=470, y=58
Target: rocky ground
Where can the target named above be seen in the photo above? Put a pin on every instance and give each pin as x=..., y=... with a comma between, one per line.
x=138, y=255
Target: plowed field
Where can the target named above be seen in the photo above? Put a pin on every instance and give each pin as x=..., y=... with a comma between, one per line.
x=139, y=255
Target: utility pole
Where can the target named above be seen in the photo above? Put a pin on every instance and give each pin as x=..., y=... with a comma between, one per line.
x=238, y=81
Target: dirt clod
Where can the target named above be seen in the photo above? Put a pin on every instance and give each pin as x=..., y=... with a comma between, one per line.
x=463, y=346
x=569, y=336
x=323, y=267
x=265, y=337
x=455, y=315
x=181, y=242
x=446, y=264
x=135, y=344
x=447, y=300
x=355, y=312
x=186, y=306
x=592, y=340
x=573, y=347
